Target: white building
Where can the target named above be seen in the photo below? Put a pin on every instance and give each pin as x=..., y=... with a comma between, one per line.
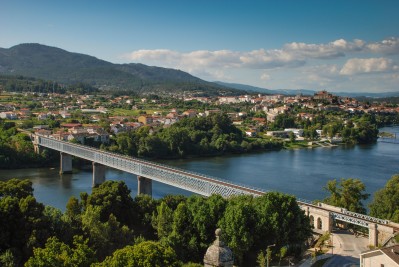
x=382, y=257
x=8, y=115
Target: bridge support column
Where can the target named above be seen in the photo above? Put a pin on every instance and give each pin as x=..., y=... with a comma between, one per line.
x=373, y=235
x=98, y=174
x=65, y=163
x=144, y=185
x=38, y=149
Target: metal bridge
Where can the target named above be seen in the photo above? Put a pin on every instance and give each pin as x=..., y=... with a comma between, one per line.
x=187, y=180
x=197, y=183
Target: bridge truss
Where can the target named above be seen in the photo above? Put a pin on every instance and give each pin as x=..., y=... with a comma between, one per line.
x=187, y=180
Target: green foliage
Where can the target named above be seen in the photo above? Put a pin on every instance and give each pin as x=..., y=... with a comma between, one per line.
x=71, y=68
x=210, y=135
x=16, y=188
x=347, y=193
x=238, y=224
x=57, y=253
x=7, y=259
x=261, y=259
x=144, y=254
x=385, y=204
x=105, y=237
x=162, y=220
x=322, y=240
x=22, y=221
x=283, y=121
x=16, y=149
x=113, y=197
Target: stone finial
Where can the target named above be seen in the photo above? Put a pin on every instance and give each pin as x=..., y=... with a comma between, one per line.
x=218, y=254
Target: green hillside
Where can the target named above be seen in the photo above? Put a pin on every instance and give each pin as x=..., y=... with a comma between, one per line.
x=55, y=64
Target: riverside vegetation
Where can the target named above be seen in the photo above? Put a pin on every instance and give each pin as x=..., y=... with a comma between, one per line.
x=110, y=228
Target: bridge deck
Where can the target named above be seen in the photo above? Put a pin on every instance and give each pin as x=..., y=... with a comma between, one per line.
x=198, y=183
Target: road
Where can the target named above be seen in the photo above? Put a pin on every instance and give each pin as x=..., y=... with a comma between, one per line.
x=346, y=249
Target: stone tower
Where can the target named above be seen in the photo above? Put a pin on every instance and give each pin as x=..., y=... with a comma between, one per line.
x=218, y=254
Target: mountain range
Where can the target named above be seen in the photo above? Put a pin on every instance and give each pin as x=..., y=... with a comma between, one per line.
x=51, y=63
x=55, y=64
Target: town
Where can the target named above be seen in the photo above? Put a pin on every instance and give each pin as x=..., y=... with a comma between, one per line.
x=95, y=118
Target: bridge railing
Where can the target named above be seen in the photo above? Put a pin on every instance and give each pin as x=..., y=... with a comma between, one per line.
x=365, y=217
x=188, y=180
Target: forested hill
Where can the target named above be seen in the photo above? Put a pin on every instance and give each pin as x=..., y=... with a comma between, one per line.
x=51, y=63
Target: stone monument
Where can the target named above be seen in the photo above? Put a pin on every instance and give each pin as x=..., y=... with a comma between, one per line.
x=218, y=254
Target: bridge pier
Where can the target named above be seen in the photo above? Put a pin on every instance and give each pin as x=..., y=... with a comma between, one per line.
x=38, y=149
x=144, y=185
x=373, y=235
x=65, y=163
x=98, y=174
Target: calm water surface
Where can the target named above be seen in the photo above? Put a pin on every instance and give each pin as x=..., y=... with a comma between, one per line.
x=301, y=172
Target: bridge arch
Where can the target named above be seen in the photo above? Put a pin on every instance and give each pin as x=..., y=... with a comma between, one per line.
x=319, y=223
x=311, y=219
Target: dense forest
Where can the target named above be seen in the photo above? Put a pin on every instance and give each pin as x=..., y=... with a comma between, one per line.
x=212, y=135
x=16, y=149
x=26, y=84
x=110, y=228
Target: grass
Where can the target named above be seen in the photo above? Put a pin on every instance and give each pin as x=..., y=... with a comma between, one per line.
x=296, y=144
x=128, y=112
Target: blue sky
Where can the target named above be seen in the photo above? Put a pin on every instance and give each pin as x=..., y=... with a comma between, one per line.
x=350, y=45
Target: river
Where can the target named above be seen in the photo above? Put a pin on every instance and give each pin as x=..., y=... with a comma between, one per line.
x=301, y=172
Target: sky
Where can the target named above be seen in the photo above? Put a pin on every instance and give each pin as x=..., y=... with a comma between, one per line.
x=338, y=46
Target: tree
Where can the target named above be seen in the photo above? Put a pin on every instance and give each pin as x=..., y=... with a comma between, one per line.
x=261, y=259
x=162, y=220
x=16, y=188
x=182, y=233
x=292, y=137
x=22, y=221
x=57, y=253
x=280, y=221
x=385, y=204
x=347, y=193
x=113, y=197
x=238, y=224
x=144, y=254
x=107, y=236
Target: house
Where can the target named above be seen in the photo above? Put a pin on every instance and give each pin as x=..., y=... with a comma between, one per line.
x=297, y=132
x=280, y=134
x=250, y=132
x=213, y=111
x=65, y=114
x=42, y=116
x=145, y=119
x=190, y=113
x=8, y=115
x=71, y=125
x=381, y=257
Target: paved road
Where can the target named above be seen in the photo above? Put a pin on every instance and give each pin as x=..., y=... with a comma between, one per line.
x=346, y=249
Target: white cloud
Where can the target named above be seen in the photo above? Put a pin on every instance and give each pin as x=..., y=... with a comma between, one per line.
x=368, y=65
x=387, y=46
x=330, y=50
x=291, y=55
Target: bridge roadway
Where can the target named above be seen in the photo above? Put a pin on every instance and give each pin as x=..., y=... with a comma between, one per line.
x=190, y=181
x=197, y=183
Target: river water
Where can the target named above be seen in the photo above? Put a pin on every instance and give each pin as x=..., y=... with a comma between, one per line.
x=301, y=172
